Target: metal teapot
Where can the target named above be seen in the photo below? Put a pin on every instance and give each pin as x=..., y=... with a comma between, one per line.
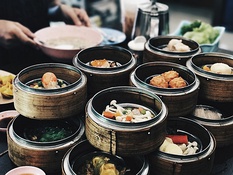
x=151, y=20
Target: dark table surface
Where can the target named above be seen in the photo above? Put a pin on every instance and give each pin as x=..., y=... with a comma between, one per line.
x=223, y=162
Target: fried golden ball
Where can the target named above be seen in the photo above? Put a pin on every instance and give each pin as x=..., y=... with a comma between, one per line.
x=159, y=81
x=169, y=75
x=178, y=82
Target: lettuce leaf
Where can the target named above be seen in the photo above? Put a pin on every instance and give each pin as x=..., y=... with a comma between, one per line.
x=204, y=34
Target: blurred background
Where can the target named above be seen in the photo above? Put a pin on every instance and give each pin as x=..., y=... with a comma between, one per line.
x=108, y=13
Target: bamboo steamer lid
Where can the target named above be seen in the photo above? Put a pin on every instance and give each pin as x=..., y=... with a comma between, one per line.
x=50, y=104
x=125, y=139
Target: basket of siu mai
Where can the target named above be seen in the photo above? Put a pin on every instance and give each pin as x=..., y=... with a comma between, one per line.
x=176, y=85
x=215, y=72
x=125, y=121
x=50, y=91
x=188, y=148
x=176, y=49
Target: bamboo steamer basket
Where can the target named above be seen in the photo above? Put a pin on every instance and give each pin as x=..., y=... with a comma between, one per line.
x=213, y=87
x=101, y=78
x=179, y=101
x=200, y=163
x=222, y=128
x=135, y=165
x=45, y=155
x=48, y=104
x=154, y=50
x=122, y=138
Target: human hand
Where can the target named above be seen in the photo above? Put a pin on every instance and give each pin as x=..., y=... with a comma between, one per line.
x=13, y=34
x=78, y=16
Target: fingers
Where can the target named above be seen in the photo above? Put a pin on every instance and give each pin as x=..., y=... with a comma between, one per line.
x=78, y=16
x=25, y=35
x=75, y=19
x=82, y=16
x=25, y=30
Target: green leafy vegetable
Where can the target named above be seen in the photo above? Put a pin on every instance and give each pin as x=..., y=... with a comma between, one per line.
x=202, y=34
x=190, y=27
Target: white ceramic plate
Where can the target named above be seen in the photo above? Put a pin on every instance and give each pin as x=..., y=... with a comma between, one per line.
x=4, y=100
x=112, y=36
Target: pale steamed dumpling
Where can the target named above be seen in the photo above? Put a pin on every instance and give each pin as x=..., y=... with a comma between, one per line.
x=177, y=45
x=221, y=68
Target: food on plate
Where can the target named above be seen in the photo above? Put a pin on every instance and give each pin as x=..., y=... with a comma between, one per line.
x=199, y=31
x=219, y=68
x=178, y=145
x=130, y=113
x=100, y=165
x=67, y=43
x=169, y=79
x=176, y=45
x=103, y=63
x=207, y=113
x=6, y=87
x=48, y=81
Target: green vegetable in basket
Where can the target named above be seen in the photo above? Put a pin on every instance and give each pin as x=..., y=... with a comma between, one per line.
x=204, y=34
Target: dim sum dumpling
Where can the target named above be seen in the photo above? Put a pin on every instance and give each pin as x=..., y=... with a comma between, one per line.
x=220, y=68
x=108, y=169
x=177, y=45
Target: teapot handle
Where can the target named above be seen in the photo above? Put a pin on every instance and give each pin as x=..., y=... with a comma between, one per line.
x=154, y=20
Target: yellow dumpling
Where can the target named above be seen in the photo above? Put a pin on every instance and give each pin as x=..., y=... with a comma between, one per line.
x=108, y=169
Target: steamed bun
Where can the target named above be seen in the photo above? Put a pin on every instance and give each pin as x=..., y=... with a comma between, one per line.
x=220, y=68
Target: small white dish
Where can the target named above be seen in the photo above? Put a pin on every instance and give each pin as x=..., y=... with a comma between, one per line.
x=137, y=44
x=32, y=170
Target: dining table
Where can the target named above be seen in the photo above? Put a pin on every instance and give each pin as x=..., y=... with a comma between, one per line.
x=223, y=161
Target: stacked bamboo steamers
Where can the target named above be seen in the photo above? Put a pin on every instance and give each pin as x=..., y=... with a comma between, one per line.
x=41, y=109
x=134, y=146
x=180, y=102
x=216, y=95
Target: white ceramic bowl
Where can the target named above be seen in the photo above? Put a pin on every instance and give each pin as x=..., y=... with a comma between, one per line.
x=205, y=47
x=26, y=170
x=67, y=40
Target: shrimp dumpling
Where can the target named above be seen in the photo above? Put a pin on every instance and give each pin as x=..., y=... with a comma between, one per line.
x=49, y=81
